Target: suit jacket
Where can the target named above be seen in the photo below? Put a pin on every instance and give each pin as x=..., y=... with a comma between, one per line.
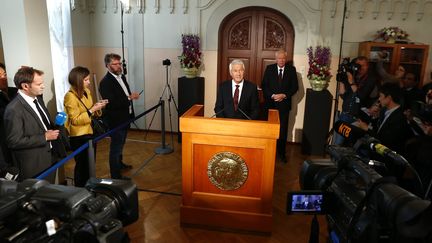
x=394, y=131
x=5, y=156
x=249, y=102
x=25, y=135
x=78, y=121
x=117, y=110
x=288, y=86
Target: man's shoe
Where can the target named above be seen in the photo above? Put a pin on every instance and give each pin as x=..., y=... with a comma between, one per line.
x=124, y=166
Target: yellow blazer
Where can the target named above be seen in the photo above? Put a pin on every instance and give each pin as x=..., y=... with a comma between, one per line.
x=78, y=122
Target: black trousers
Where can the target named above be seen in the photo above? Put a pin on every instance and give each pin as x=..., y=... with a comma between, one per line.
x=81, y=171
x=283, y=130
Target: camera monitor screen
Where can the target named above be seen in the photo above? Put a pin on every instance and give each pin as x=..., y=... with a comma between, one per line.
x=306, y=202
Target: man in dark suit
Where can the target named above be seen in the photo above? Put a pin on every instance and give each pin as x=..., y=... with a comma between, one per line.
x=115, y=89
x=6, y=95
x=237, y=98
x=28, y=126
x=392, y=129
x=279, y=85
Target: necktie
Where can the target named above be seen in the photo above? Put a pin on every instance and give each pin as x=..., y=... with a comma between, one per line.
x=42, y=115
x=280, y=75
x=236, y=96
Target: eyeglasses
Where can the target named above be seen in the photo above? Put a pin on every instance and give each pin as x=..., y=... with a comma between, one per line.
x=115, y=63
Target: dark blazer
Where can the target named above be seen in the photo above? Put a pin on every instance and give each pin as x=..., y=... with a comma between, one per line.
x=117, y=110
x=25, y=135
x=288, y=86
x=394, y=132
x=5, y=156
x=249, y=102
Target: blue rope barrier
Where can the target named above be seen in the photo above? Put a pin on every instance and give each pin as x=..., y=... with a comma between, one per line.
x=55, y=166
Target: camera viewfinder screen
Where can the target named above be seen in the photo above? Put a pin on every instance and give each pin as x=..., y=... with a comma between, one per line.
x=306, y=203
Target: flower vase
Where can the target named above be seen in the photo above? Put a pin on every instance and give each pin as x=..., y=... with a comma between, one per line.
x=391, y=40
x=190, y=72
x=318, y=84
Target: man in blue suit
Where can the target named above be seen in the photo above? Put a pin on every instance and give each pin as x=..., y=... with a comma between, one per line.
x=237, y=98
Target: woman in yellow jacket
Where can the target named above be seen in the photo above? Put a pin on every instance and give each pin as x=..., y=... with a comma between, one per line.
x=79, y=107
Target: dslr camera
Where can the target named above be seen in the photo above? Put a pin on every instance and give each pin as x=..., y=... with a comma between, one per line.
x=347, y=66
x=166, y=62
x=36, y=211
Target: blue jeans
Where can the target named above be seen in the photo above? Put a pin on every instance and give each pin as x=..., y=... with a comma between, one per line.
x=118, y=140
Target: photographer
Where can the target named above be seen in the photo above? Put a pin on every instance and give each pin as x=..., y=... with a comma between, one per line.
x=358, y=88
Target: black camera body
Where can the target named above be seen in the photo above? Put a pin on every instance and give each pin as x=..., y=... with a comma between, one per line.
x=36, y=211
x=363, y=206
x=345, y=67
x=166, y=62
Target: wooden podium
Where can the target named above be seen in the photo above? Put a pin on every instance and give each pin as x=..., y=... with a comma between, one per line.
x=227, y=171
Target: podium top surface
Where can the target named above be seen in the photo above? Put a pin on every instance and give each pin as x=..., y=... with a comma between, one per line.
x=193, y=121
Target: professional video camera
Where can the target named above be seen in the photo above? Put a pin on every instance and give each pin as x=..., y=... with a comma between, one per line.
x=345, y=67
x=360, y=204
x=36, y=211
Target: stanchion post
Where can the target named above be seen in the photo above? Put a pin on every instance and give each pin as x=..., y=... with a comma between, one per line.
x=163, y=149
x=91, y=159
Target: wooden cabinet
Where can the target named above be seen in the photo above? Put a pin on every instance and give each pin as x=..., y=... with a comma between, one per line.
x=411, y=56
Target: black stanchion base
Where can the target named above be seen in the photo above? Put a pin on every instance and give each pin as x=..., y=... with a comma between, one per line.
x=164, y=150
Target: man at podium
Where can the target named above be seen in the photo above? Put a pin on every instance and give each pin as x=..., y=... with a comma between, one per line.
x=237, y=98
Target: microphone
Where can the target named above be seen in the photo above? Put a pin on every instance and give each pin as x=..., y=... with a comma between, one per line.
x=60, y=119
x=238, y=108
x=386, y=152
x=354, y=133
x=348, y=131
x=217, y=113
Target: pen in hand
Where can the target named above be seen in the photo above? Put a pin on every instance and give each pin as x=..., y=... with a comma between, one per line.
x=141, y=92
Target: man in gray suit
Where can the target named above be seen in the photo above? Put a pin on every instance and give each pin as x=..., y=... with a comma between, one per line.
x=28, y=126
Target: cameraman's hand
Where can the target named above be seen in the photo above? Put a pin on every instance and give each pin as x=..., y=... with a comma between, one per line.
x=363, y=125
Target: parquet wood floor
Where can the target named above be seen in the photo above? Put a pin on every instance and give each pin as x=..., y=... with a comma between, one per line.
x=158, y=178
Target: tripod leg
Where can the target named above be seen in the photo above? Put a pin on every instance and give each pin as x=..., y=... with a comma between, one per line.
x=171, y=95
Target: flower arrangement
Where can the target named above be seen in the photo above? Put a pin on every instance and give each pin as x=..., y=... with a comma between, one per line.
x=319, y=63
x=392, y=32
x=191, y=55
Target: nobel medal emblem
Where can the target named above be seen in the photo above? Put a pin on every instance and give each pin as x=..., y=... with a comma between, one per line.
x=227, y=171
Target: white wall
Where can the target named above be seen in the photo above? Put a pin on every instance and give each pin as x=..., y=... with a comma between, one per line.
x=154, y=35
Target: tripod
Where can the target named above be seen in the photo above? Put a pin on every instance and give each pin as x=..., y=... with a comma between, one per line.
x=163, y=149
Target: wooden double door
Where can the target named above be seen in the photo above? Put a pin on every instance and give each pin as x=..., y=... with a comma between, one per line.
x=253, y=34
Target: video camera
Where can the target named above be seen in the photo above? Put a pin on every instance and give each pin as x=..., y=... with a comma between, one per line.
x=345, y=67
x=36, y=211
x=360, y=204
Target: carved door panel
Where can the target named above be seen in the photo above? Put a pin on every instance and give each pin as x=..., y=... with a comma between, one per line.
x=253, y=35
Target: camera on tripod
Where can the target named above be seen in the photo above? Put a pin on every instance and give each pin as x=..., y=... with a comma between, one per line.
x=36, y=211
x=166, y=62
x=360, y=205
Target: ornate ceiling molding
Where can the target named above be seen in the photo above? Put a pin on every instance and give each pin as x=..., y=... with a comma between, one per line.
x=131, y=6
x=388, y=8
